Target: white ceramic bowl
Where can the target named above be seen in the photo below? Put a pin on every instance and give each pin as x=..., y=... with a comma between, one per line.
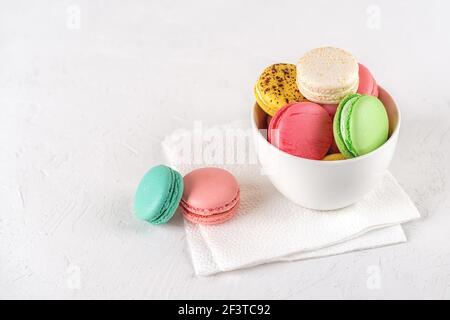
x=326, y=185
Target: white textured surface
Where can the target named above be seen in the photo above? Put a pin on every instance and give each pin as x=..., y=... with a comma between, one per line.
x=269, y=228
x=83, y=112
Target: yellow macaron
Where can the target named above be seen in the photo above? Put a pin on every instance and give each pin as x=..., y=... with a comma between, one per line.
x=334, y=157
x=277, y=87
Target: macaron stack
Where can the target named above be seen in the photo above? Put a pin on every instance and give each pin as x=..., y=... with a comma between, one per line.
x=324, y=108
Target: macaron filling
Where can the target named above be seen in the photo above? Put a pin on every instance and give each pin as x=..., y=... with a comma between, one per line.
x=329, y=96
x=345, y=124
x=211, y=211
x=328, y=91
x=214, y=218
x=172, y=199
x=337, y=126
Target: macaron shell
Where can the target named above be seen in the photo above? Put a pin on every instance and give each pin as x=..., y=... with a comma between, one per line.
x=302, y=129
x=337, y=126
x=276, y=87
x=211, y=219
x=367, y=84
x=210, y=191
x=368, y=125
x=211, y=210
x=271, y=129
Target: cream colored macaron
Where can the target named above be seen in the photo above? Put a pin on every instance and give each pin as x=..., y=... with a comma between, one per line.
x=326, y=75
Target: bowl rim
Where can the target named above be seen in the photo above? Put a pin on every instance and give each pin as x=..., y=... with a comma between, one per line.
x=389, y=141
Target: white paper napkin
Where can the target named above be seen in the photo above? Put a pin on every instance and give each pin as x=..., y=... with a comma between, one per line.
x=269, y=227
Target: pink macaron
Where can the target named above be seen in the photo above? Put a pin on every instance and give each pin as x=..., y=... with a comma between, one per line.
x=331, y=109
x=367, y=83
x=210, y=196
x=303, y=129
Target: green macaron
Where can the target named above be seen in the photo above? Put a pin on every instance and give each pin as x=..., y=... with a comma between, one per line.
x=360, y=125
x=158, y=195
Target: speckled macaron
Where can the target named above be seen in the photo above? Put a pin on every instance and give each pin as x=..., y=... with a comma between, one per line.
x=277, y=87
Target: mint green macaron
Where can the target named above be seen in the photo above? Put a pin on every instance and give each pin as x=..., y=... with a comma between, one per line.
x=158, y=195
x=360, y=125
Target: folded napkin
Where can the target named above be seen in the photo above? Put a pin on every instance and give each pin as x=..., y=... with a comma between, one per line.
x=269, y=227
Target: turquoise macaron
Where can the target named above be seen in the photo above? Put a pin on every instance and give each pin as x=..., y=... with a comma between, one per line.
x=360, y=125
x=158, y=195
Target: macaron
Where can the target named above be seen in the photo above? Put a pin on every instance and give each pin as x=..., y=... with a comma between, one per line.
x=331, y=109
x=334, y=157
x=326, y=75
x=303, y=129
x=360, y=125
x=367, y=83
x=158, y=195
x=268, y=119
x=276, y=87
x=211, y=196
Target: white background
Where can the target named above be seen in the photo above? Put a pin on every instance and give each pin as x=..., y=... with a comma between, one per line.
x=85, y=100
